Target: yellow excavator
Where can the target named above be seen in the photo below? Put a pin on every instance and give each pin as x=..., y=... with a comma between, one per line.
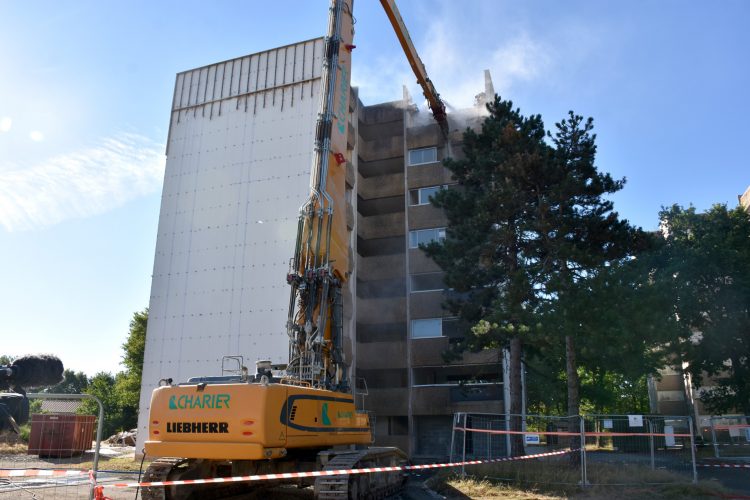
x=305, y=419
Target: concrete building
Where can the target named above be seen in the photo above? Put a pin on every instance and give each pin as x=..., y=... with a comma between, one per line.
x=401, y=327
x=744, y=199
x=238, y=167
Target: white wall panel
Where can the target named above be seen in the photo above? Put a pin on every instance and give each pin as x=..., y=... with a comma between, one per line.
x=238, y=165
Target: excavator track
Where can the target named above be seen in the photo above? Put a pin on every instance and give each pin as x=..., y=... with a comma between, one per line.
x=158, y=471
x=362, y=486
x=168, y=468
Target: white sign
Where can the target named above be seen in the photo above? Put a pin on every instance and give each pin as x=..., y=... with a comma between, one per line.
x=669, y=435
x=608, y=424
x=532, y=438
x=635, y=420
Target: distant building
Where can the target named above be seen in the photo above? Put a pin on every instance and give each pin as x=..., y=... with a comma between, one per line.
x=745, y=199
x=238, y=166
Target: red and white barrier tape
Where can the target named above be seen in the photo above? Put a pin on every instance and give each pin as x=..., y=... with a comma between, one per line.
x=726, y=466
x=295, y=475
x=586, y=434
x=41, y=473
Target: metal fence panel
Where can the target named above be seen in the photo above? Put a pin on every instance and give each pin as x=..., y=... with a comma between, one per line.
x=486, y=437
x=59, y=458
x=731, y=436
x=652, y=447
x=618, y=449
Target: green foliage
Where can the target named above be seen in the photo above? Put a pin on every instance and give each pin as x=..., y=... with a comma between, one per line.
x=5, y=360
x=706, y=259
x=135, y=344
x=490, y=254
x=72, y=383
x=25, y=433
x=534, y=251
x=120, y=393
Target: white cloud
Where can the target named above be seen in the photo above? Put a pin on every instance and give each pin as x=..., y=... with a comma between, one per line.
x=456, y=62
x=80, y=184
x=36, y=136
x=460, y=41
x=5, y=124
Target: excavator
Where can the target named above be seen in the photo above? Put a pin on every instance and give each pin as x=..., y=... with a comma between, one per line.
x=303, y=418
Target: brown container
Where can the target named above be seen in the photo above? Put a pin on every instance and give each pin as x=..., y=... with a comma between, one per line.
x=60, y=434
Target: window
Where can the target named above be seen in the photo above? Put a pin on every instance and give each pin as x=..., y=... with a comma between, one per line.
x=426, y=328
x=424, y=236
x=427, y=282
x=421, y=196
x=422, y=155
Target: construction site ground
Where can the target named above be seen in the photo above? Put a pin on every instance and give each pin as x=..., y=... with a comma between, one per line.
x=117, y=464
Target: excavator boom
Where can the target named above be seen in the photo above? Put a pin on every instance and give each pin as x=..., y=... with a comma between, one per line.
x=417, y=66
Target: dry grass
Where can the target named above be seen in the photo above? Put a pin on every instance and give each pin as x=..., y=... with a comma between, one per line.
x=557, y=480
x=478, y=488
x=13, y=449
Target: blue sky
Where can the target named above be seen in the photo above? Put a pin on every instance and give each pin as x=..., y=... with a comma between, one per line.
x=86, y=89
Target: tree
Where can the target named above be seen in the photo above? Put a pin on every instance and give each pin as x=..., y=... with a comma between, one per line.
x=72, y=383
x=129, y=383
x=528, y=226
x=102, y=385
x=489, y=255
x=120, y=393
x=580, y=232
x=627, y=320
x=707, y=261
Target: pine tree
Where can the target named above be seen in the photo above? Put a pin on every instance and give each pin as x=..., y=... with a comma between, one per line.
x=580, y=233
x=489, y=255
x=527, y=225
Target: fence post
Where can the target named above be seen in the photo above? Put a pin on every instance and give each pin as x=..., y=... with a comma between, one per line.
x=463, y=451
x=692, y=447
x=584, y=473
x=651, y=443
x=453, y=436
x=713, y=438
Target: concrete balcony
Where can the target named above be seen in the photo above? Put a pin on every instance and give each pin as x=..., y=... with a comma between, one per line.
x=381, y=186
x=429, y=352
x=381, y=147
x=425, y=217
x=381, y=356
x=387, y=310
x=432, y=400
x=383, y=112
x=381, y=267
x=380, y=166
x=431, y=174
x=446, y=400
x=419, y=262
x=380, y=226
x=388, y=401
x=424, y=136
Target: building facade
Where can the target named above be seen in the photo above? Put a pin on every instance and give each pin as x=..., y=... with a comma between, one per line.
x=238, y=166
x=402, y=329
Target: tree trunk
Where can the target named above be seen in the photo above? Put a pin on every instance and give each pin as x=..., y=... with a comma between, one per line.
x=516, y=397
x=573, y=397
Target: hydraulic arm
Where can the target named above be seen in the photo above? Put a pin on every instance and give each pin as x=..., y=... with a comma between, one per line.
x=320, y=266
x=433, y=98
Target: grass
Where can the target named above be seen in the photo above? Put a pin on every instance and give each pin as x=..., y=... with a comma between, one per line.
x=13, y=448
x=558, y=480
